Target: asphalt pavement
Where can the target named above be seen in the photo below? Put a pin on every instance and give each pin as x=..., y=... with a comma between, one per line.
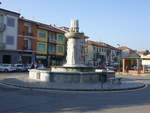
x=15, y=100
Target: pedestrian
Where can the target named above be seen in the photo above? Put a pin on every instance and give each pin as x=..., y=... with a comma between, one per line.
x=127, y=69
x=32, y=66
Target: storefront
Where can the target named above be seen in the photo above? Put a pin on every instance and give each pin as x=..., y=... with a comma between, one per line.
x=51, y=60
x=131, y=64
x=42, y=59
x=54, y=60
x=26, y=57
x=8, y=57
x=146, y=63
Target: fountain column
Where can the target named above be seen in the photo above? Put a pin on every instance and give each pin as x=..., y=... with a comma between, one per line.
x=73, y=45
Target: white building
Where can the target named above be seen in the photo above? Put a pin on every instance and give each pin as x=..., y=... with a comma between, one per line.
x=8, y=35
x=99, y=53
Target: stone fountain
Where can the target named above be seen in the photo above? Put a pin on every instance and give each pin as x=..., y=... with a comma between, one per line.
x=73, y=71
x=73, y=63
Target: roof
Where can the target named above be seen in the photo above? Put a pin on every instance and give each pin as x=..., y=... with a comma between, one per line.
x=44, y=26
x=143, y=52
x=126, y=48
x=65, y=29
x=50, y=27
x=10, y=12
x=100, y=44
x=123, y=48
x=96, y=43
x=133, y=55
x=27, y=20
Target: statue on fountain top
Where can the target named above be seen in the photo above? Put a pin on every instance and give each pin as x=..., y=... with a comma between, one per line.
x=74, y=26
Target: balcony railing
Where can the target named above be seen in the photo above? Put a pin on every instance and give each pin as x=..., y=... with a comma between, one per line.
x=52, y=52
x=28, y=34
x=60, y=42
x=52, y=41
x=27, y=48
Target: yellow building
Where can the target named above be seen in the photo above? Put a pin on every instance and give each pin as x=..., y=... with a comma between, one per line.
x=56, y=46
x=60, y=47
x=42, y=37
x=41, y=46
x=50, y=45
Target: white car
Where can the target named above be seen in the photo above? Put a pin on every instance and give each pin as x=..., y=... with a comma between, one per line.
x=7, y=67
x=20, y=67
x=1, y=68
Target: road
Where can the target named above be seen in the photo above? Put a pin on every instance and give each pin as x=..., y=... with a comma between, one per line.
x=14, y=100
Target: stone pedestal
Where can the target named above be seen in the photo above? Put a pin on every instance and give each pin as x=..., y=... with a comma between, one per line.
x=69, y=77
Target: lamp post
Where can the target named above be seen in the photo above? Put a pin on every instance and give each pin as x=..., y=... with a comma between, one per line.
x=119, y=61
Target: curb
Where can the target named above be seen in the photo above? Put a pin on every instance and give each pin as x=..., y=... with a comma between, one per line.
x=65, y=89
x=128, y=74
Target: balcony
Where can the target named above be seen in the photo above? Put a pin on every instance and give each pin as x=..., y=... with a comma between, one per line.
x=27, y=48
x=53, y=41
x=52, y=52
x=28, y=35
x=60, y=42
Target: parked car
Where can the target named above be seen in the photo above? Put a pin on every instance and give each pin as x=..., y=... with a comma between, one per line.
x=110, y=67
x=28, y=66
x=20, y=68
x=7, y=68
x=1, y=68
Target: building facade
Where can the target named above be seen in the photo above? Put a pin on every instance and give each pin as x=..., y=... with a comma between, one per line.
x=27, y=34
x=99, y=54
x=26, y=41
x=51, y=44
x=8, y=36
x=41, y=48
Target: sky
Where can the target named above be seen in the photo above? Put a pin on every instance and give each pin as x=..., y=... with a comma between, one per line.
x=116, y=22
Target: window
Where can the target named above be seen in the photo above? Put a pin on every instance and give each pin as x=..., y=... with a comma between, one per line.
x=1, y=18
x=97, y=49
x=41, y=47
x=27, y=44
x=28, y=29
x=51, y=48
x=10, y=40
x=60, y=37
x=42, y=34
x=49, y=35
x=61, y=49
x=93, y=48
x=100, y=49
x=10, y=22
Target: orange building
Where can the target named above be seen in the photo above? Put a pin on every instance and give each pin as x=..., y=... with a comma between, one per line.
x=27, y=33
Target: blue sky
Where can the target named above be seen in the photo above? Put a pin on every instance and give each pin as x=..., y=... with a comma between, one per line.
x=123, y=22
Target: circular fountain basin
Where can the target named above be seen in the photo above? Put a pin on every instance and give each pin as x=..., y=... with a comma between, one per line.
x=69, y=77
